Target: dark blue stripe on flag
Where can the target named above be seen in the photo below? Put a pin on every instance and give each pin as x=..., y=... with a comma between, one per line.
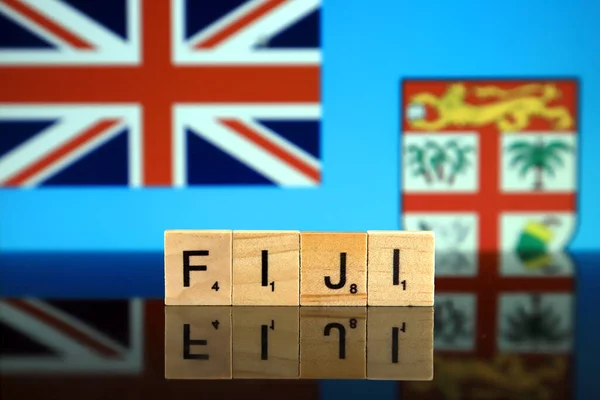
x=303, y=133
x=112, y=14
x=104, y=165
x=15, y=36
x=304, y=33
x=208, y=164
x=201, y=13
x=99, y=275
x=358, y=390
x=14, y=133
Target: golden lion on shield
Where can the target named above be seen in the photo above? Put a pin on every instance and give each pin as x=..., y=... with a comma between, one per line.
x=511, y=112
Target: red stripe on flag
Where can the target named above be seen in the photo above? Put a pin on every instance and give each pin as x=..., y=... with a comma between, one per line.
x=64, y=328
x=159, y=85
x=87, y=135
x=473, y=203
x=273, y=148
x=235, y=26
x=49, y=25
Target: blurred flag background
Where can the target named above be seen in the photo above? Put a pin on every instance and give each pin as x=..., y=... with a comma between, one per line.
x=120, y=119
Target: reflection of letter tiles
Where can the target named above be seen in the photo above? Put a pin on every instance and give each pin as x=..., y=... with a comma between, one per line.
x=265, y=342
x=332, y=342
x=198, y=342
x=198, y=267
x=401, y=268
x=400, y=343
x=266, y=268
x=333, y=269
x=386, y=343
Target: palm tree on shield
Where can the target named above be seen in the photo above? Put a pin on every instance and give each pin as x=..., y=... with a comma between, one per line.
x=540, y=157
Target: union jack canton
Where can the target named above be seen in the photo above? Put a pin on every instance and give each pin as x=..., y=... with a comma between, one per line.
x=159, y=93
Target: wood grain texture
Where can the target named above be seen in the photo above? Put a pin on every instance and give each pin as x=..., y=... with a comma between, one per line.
x=400, y=343
x=266, y=268
x=333, y=342
x=216, y=258
x=333, y=269
x=265, y=342
x=184, y=327
x=400, y=268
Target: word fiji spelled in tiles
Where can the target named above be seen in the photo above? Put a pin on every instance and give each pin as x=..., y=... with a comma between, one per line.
x=292, y=268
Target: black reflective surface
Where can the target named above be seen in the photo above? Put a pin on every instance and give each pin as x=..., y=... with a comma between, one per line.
x=95, y=326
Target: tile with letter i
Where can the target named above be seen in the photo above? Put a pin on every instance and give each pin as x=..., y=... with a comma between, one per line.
x=198, y=342
x=265, y=342
x=198, y=267
x=333, y=342
x=333, y=269
x=400, y=268
x=400, y=343
x=266, y=268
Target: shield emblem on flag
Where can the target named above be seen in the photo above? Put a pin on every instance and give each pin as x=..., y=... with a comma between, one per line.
x=491, y=167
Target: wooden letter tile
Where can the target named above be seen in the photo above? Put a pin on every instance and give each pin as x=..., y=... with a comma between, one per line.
x=400, y=343
x=333, y=342
x=198, y=342
x=400, y=268
x=333, y=269
x=198, y=267
x=266, y=268
x=265, y=342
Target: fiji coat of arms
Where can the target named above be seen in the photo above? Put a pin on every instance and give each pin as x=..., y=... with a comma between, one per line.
x=491, y=166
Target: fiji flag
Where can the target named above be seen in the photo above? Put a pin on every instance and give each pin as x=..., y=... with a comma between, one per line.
x=159, y=93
